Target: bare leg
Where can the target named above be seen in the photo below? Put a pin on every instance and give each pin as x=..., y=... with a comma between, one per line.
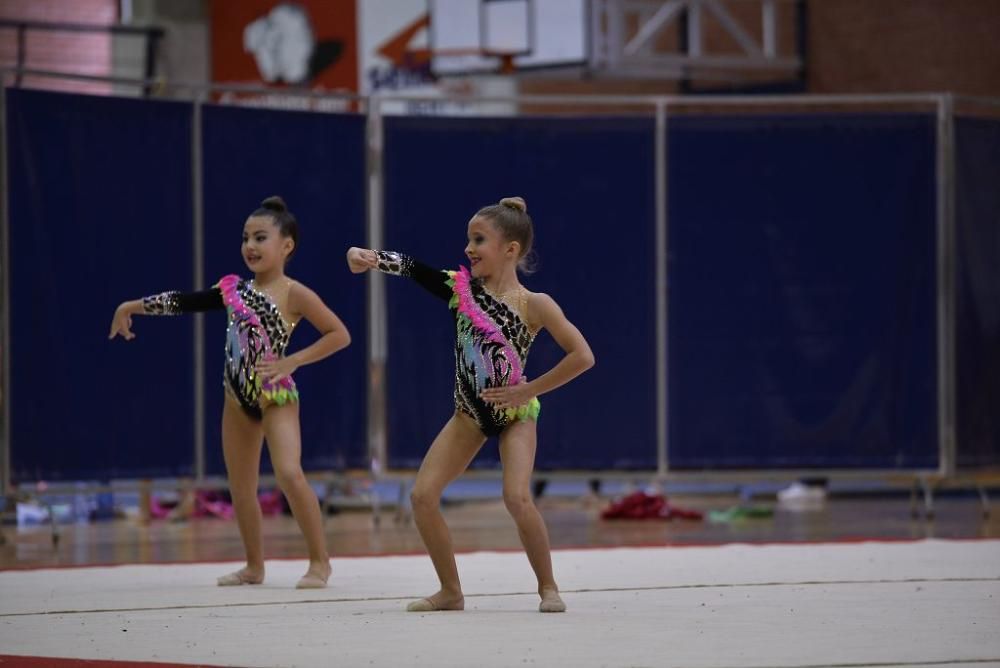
x=185, y=508
x=517, y=452
x=242, y=439
x=284, y=442
x=448, y=456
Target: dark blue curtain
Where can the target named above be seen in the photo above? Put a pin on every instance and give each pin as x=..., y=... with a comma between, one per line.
x=801, y=281
x=977, y=326
x=100, y=212
x=802, y=292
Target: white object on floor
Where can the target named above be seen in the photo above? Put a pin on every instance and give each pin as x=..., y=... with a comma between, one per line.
x=798, y=492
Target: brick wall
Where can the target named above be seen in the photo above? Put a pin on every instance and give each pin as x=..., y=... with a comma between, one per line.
x=869, y=46
x=76, y=52
x=853, y=46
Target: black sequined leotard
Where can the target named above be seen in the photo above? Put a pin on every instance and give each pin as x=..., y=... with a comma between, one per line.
x=256, y=331
x=491, y=341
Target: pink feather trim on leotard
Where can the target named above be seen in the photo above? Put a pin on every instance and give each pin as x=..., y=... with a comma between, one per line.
x=468, y=307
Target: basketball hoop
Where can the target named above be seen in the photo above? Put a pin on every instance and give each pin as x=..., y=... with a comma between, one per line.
x=505, y=59
x=496, y=37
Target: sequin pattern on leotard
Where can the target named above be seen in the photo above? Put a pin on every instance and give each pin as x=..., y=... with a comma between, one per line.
x=491, y=340
x=256, y=332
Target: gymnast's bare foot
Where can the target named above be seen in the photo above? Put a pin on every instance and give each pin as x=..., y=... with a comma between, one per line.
x=440, y=601
x=316, y=577
x=551, y=601
x=245, y=576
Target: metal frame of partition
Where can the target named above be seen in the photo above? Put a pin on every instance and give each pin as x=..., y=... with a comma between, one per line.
x=662, y=240
x=198, y=276
x=659, y=107
x=377, y=331
x=946, y=283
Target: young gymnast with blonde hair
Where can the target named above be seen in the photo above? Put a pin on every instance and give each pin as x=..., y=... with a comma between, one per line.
x=496, y=320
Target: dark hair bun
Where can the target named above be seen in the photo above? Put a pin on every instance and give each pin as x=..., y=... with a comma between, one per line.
x=515, y=203
x=274, y=203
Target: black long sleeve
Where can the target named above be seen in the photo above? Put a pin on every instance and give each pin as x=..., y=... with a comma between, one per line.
x=433, y=280
x=176, y=303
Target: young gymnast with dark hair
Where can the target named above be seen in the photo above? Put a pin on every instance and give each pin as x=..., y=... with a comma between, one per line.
x=261, y=400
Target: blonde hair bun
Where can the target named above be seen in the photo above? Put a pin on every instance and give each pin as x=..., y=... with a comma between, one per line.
x=515, y=203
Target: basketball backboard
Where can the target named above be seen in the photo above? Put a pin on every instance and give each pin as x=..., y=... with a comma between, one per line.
x=469, y=36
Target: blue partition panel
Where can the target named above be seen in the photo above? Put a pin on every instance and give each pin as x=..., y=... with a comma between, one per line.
x=316, y=162
x=977, y=327
x=589, y=188
x=100, y=212
x=802, y=292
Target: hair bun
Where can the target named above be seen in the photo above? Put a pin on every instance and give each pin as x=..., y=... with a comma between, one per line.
x=274, y=203
x=515, y=203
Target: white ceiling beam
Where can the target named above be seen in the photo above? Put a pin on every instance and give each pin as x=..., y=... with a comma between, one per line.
x=733, y=27
x=664, y=15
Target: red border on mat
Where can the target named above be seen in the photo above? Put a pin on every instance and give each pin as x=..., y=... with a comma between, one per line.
x=14, y=661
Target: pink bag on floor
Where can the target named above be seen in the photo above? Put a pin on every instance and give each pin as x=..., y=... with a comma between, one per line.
x=271, y=502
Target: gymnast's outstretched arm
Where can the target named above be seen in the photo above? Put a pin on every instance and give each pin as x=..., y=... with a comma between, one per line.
x=164, y=303
x=398, y=264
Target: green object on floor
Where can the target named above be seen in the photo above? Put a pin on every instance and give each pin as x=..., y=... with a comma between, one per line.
x=739, y=513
